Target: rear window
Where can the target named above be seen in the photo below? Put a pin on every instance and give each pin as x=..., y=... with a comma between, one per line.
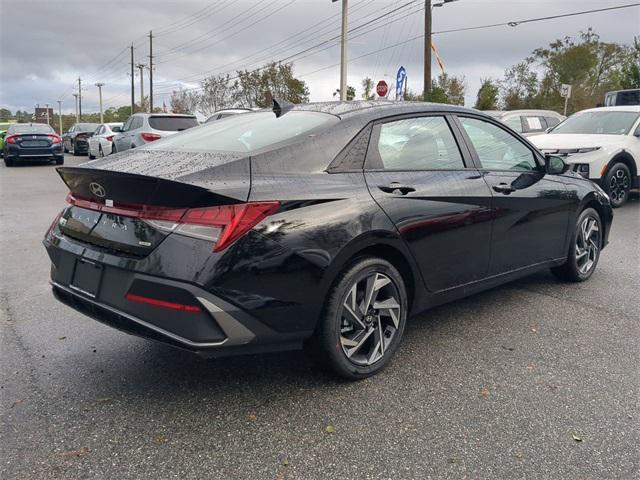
x=172, y=124
x=247, y=132
x=30, y=128
x=86, y=127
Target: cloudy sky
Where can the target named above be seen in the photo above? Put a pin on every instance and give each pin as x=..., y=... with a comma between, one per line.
x=45, y=45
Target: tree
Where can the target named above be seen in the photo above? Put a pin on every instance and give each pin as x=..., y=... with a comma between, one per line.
x=630, y=70
x=184, y=101
x=351, y=93
x=217, y=93
x=487, y=95
x=5, y=115
x=368, y=89
x=275, y=80
x=519, y=87
x=447, y=89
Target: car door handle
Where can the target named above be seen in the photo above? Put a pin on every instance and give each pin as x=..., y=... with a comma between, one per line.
x=395, y=187
x=503, y=188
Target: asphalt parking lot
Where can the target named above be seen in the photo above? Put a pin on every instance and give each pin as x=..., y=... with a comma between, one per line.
x=537, y=379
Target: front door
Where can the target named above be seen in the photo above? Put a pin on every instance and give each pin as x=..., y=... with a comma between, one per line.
x=531, y=207
x=416, y=172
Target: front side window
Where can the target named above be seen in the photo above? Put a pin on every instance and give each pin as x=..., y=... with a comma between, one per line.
x=514, y=123
x=497, y=149
x=423, y=143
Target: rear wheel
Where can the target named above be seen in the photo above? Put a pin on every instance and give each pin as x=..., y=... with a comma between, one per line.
x=364, y=319
x=100, y=152
x=584, y=251
x=617, y=183
x=8, y=162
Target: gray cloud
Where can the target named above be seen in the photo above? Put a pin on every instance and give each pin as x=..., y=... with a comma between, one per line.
x=46, y=45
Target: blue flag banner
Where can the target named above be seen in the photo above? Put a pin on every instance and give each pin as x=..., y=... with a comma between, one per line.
x=400, y=82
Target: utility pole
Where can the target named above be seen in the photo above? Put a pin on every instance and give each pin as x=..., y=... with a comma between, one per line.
x=100, y=85
x=151, y=71
x=141, y=67
x=427, y=49
x=60, y=114
x=76, y=97
x=133, y=96
x=343, y=51
x=47, y=107
x=79, y=99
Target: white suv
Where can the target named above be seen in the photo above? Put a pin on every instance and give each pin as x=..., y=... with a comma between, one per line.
x=142, y=128
x=602, y=144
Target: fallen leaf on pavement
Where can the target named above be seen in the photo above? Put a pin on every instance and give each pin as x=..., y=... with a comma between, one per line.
x=330, y=429
x=576, y=438
x=77, y=453
x=61, y=338
x=484, y=392
x=252, y=417
x=17, y=402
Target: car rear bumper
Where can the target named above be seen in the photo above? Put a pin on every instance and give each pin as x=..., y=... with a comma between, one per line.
x=219, y=328
x=13, y=152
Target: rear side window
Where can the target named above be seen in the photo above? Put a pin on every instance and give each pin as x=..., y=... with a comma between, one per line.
x=534, y=124
x=496, y=148
x=247, y=132
x=172, y=124
x=552, y=121
x=422, y=143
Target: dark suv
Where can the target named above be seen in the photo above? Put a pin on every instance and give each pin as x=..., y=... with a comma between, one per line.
x=76, y=139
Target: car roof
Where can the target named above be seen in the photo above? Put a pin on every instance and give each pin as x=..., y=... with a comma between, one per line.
x=502, y=113
x=378, y=108
x=621, y=108
x=146, y=114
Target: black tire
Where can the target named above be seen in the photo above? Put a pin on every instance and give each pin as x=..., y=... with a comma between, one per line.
x=617, y=183
x=100, y=152
x=573, y=270
x=64, y=147
x=91, y=157
x=337, y=332
x=74, y=152
x=60, y=161
x=8, y=162
x=113, y=148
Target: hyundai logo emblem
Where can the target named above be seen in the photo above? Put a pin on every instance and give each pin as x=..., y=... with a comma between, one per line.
x=97, y=189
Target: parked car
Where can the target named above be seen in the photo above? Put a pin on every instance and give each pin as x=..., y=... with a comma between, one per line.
x=101, y=140
x=142, y=128
x=76, y=138
x=602, y=144
x=227, y=112
x=323, y=225
x=528, y=122
x=3, y=133
x=622, y=97
x=32, y=141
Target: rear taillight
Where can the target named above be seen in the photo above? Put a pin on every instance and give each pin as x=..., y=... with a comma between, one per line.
x=54, y=139
x=11, y=139
x=150, y=137
x=82, y=135
x=109, y=138
x=221, y=225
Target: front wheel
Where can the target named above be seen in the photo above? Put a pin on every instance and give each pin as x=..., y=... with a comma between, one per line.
x=584, y=251
x=363, y=319
x=617, y=183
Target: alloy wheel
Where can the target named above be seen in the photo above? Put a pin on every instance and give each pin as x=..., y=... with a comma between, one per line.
x=619, y=185
x=370, y=319
x=587, y=245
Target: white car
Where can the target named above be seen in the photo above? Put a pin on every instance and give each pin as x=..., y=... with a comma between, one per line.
x=102, y=139
x=528, y=122
x=601, y=144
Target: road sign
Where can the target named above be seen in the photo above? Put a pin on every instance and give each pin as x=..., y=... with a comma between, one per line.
x=401, y=78
x=382, y=88
x=565, y=90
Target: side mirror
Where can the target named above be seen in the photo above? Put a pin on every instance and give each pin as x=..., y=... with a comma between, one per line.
x=555, y=165
x=548, y=129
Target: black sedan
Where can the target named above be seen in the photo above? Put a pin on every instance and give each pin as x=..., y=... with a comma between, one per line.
x=76, y=139
x=30, y=141
x=319, y=225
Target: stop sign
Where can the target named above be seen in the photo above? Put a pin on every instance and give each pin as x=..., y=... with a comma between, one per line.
x=382, y=88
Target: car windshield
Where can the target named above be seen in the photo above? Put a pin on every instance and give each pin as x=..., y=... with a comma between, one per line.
x=247, y=132
x=30, y=128
x=598, y=123
x=172, y=124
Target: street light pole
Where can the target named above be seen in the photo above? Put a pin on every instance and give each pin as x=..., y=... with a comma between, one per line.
x=100, y=85
x=343, y=50
x=48, y=120
x=60, y=114
x=427, y=49
x=76, y=97
x=141, y=66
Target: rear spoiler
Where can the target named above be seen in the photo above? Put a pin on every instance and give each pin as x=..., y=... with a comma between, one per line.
x=131, y=188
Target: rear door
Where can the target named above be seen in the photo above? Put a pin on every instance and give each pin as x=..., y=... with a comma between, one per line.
x=531, y=207
x=421, y=176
